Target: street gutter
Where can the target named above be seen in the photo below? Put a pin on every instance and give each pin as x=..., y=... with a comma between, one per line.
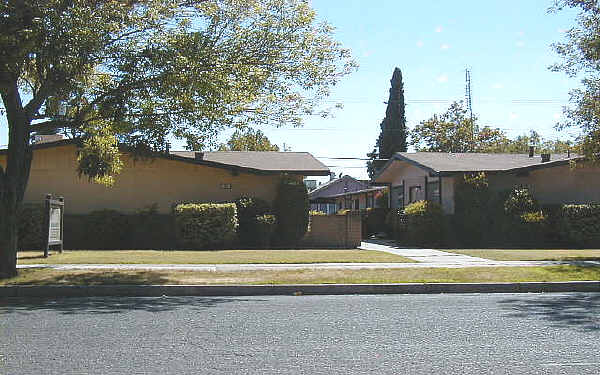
x=51, y=291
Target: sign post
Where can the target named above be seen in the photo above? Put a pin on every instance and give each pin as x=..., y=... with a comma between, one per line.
x=54, y=217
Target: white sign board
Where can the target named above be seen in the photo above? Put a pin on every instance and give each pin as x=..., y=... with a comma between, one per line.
x=54, y=230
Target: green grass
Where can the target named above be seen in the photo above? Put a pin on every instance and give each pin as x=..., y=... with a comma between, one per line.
x=535, y=254
x=414, y=275
x=210, y=257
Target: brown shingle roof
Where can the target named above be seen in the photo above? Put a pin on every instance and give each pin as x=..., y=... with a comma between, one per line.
x=443, y=162
x=270, y=161
x=261, y=162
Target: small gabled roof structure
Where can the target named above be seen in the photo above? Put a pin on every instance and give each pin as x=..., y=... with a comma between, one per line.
x=445, y=163
x=338, y=186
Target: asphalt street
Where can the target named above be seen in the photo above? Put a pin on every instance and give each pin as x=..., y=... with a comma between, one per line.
x=391, y=334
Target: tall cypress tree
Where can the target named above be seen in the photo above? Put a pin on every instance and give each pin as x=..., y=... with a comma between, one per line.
x=392, y=138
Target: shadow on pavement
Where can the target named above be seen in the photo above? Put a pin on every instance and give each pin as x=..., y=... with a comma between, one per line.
x=111, y=305
x=577, y=310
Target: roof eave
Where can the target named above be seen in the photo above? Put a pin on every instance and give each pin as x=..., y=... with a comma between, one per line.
x=400, y=157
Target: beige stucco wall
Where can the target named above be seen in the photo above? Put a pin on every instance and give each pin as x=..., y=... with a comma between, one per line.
x=139, y=185
x=401, y=172
x=556, y=185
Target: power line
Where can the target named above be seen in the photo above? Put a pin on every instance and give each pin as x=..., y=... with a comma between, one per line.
x=341, y=158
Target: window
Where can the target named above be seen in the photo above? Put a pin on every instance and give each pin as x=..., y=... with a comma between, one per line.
x=413, y=194
x=356, y=204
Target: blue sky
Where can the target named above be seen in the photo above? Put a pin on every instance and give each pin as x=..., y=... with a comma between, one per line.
x=505, y=44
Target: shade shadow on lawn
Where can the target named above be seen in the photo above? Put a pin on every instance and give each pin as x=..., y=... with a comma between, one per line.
x=99, y=278
x=111, y=305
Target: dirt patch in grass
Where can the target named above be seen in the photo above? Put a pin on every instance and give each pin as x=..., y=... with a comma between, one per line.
x=414, y=275
x=528, y=254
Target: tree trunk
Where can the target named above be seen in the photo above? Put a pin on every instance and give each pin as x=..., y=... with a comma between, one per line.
x=13, y=179
x=8, y=240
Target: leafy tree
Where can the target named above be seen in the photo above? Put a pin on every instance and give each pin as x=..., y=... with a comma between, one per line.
x=393, y=134
x=580, y=56
x=522, y=143
x=137, y=71
x=454, y=131
x=248, y=140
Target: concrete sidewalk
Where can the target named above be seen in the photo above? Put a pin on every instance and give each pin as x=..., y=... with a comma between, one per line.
x=424, y=258
x=283, y=267
x=425, y=255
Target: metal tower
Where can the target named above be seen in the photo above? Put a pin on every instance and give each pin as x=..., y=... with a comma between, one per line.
x=468, y=92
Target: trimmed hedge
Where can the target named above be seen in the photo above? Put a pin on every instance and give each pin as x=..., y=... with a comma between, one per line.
x=291, y=208
x=107, y=230
x=200, y=225
x=580, y=224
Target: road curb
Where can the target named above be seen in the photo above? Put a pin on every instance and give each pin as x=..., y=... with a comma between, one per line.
x=314, y=289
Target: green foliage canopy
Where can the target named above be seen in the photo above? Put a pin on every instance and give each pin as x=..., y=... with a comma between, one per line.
x=580, y=56
x=248, y=140
x=454, y=131
x=152, y=68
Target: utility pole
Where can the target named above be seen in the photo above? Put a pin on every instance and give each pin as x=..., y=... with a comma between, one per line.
x=468, y=100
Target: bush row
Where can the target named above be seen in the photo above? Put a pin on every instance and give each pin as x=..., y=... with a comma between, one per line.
x=247, y=222
x=496, y=219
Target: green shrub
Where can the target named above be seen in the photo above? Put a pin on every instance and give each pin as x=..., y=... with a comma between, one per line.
x=424, y=223
x=151, y=230
x=32, y=226
x=107, y=229
x=580, y=224
x=265, y=226
x=291, y=208
x=395, y=223
x=202, y=225
x=248, y=210
x=473, y=214
x=524, y=223
x=520, y=201
x=144, y=231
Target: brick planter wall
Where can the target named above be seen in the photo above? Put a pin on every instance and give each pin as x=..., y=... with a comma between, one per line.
x=334, y=231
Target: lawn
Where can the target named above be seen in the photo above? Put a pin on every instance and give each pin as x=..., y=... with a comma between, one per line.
x=210, y=257
x=414, y=275
x=527, y=254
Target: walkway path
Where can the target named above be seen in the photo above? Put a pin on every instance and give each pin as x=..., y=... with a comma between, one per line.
x=425, y=258
x=424, y=255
